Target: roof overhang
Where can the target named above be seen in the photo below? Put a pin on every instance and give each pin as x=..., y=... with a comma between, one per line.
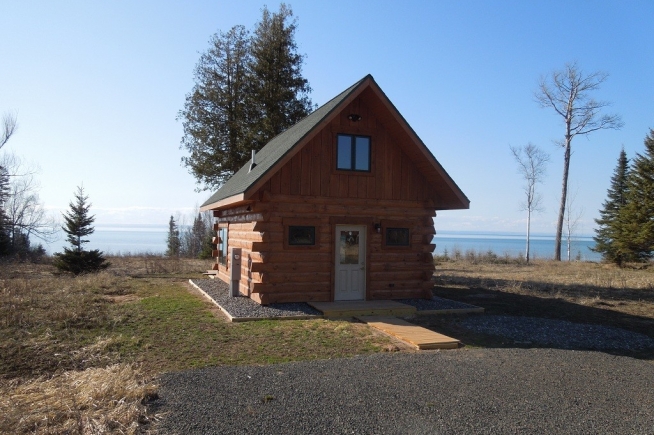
x=229, y=201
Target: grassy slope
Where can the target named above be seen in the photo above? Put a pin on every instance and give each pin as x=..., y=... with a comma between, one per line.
x=126, y=326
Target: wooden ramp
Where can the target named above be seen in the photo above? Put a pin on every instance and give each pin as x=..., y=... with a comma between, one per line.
x=418, y=336
x=341, y=309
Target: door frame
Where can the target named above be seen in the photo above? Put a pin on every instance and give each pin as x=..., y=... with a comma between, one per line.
x=368, y=222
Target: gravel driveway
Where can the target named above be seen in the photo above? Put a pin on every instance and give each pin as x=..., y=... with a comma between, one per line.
x=467, y=391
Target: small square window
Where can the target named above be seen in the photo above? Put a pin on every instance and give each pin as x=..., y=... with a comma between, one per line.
x=397, y=236
x=301, y=235
x=353, y=153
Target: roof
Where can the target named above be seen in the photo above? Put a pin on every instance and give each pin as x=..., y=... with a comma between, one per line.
x=236, y=188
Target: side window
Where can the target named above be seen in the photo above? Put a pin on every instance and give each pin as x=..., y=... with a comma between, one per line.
x=301, y=235
x=397, y=236
x=222, y=246
x=353, y=153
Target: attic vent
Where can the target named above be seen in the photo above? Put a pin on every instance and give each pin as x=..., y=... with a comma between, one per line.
x=253, y=164
x=354, y=117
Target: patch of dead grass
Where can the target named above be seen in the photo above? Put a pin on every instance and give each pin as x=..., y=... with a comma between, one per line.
x=93, y=401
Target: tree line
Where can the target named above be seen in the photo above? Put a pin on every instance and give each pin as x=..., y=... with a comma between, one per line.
x=191, y=241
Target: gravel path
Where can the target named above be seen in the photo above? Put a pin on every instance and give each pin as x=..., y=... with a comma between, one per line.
x=558, y=333
x=473, y=391
x=245, y=307
x=241, y=306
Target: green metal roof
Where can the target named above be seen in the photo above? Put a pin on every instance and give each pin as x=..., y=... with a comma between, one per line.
x=277, y=148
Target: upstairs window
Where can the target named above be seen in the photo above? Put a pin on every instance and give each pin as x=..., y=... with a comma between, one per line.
x=353, y=153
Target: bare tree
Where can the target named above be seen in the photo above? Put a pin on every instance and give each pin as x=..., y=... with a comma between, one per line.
x=568, y=93
x=572, y=218
x=8, y=128
x=532, y=163
x=24, y=211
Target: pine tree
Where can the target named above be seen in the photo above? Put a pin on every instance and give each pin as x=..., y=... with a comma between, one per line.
x=215, y=115
x=173, y=242
x=279, y=92
x=636, y=218
x=247, y=90
x=607, y=230
x=78, y=225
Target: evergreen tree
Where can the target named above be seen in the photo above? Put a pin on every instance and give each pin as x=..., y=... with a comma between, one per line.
x=280, y=94
x=78, y=225
x=215, y=115
x=247, y=90
x=173, y=242
x=607, y=231
x=636, y=218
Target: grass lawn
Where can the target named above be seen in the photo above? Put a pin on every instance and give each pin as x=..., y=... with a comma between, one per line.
x=82, y=355
x=72, y=348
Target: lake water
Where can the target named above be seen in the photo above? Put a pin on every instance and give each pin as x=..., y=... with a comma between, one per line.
x=137, y=239
x=540, y=246
x=120, y=239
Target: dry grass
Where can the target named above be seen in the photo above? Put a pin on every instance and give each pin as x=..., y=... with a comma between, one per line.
x=92, y=401
x=78, y=354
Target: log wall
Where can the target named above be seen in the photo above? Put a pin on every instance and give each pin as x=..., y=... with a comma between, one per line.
x=308, y=187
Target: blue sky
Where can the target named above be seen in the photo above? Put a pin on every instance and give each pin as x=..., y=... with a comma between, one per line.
x=97, y=87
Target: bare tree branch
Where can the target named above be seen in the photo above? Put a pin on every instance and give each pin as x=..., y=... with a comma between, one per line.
x=9, y=126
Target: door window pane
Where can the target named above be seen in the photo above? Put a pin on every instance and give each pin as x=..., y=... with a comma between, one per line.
x=349, y=247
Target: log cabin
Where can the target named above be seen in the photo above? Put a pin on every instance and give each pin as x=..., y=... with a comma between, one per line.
x=338, y=207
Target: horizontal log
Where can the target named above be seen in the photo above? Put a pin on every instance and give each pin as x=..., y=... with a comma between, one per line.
x=295, y=277
x=396, y=285
x=292, y=267
x=400, y=275
x=272, y=298
x=395, y=257
x=242, y=226
x=300, y=256
x=253, y=236
x=398, y=266
x=292, y=287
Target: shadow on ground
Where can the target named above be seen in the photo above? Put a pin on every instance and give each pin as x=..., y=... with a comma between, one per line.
x=602, y=311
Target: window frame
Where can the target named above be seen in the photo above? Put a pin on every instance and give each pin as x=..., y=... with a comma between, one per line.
x=388, y=224
x=223, y=247
x=353, y=161
x=299, y=222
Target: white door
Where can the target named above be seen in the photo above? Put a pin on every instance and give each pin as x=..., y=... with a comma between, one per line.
x=350, y=263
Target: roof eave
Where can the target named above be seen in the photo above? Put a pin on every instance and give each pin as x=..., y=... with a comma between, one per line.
x=229, y=201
